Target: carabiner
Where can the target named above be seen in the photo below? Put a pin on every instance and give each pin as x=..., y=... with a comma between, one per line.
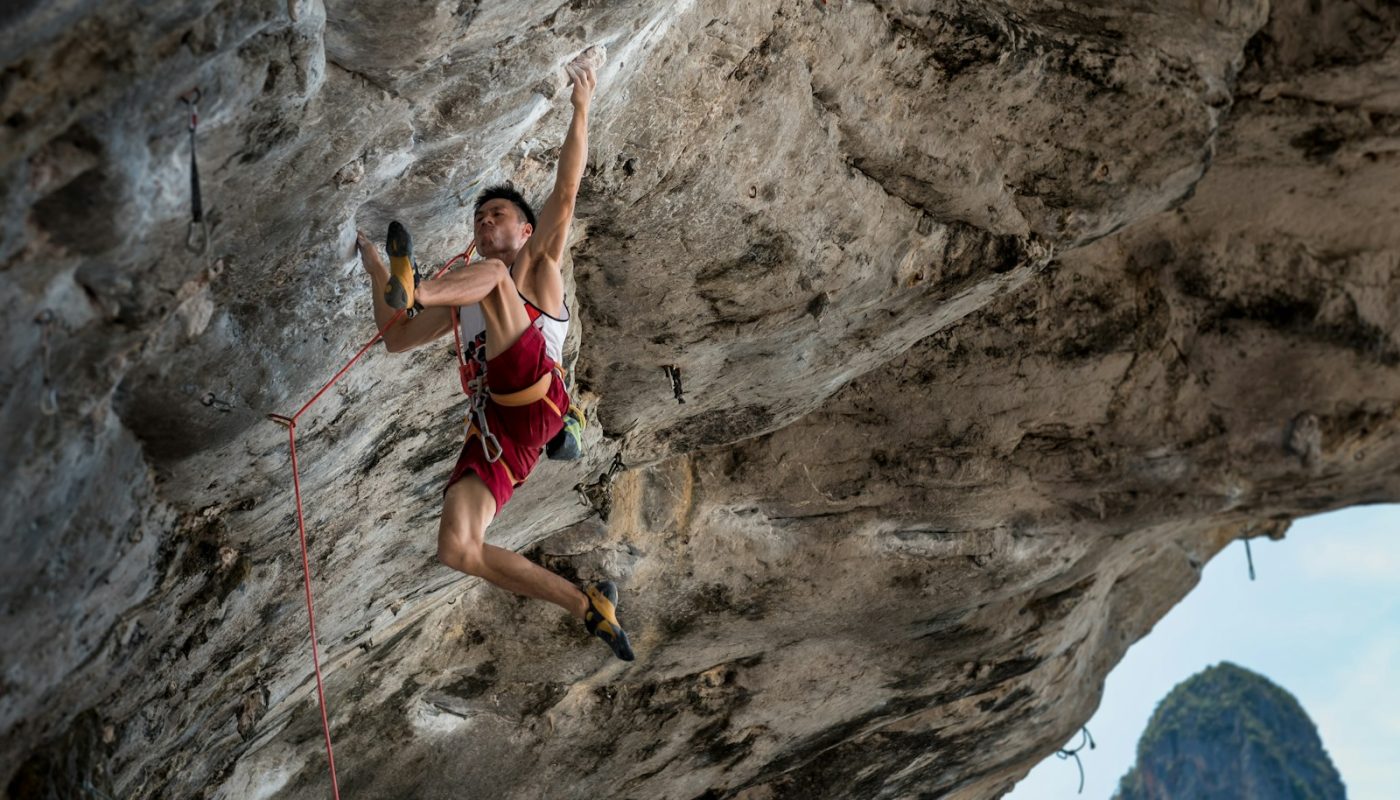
x=197, y=237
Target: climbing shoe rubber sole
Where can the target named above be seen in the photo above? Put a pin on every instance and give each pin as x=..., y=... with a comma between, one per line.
x=567, y=445
x=403, y=272
x=601, y=618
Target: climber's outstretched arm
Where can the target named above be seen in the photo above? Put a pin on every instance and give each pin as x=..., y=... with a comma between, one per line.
x=546, y=244
x=406, y=334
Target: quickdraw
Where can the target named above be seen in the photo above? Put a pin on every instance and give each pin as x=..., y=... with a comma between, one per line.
x=197, y=234
x=674, y=373
x=48, y=400
x=1073, y=752
x=597, y=496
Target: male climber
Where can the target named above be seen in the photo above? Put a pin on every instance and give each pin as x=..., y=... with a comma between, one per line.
x=512, y=310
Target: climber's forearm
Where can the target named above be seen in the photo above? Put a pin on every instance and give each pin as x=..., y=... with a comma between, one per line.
x=573, y=156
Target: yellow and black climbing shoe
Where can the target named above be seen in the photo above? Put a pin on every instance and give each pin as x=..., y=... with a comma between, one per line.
x=403, y=271
x=601, y=618
x=567, y=445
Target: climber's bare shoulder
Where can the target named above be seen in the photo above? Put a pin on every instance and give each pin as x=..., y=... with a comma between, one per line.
x=538, y=267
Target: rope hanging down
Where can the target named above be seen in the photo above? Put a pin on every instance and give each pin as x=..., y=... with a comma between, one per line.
x=1068, y=752
x=291, y=425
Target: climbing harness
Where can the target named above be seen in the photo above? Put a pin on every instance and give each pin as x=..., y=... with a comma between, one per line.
x=1073, y=752
x=48, y=400
x=473, y=380
x=197, y=234
x=290, y=423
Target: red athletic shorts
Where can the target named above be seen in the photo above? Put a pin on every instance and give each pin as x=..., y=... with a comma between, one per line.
x=522, y=431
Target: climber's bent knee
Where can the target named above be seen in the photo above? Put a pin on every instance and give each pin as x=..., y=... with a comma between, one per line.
x=461, y=555
x=467, y=508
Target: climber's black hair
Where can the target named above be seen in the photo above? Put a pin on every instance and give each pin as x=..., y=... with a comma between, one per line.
x=506, y=192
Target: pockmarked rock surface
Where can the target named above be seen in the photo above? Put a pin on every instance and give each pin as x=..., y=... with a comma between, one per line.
x=994, y=322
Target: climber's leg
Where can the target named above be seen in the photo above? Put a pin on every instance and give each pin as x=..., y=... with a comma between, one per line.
x=467, y=508
x=480, y=486
x=489, y=283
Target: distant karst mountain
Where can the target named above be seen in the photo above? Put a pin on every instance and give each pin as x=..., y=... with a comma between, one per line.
x=1227, y=732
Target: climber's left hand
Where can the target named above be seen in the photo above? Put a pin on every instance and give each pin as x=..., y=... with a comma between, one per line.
x=585, y=81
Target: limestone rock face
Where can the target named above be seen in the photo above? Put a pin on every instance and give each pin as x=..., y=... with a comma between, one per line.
x=994, y=322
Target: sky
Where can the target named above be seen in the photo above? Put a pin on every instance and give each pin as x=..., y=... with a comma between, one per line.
x=1322, y=620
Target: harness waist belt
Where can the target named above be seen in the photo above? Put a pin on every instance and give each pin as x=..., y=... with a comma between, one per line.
x=528, y=395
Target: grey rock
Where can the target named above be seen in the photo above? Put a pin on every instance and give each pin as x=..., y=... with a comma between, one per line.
x=991, y=318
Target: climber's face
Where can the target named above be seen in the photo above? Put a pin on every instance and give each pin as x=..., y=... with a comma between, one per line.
x=500, y=228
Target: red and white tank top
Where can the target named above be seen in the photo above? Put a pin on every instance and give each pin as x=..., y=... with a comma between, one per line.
x=473, y=325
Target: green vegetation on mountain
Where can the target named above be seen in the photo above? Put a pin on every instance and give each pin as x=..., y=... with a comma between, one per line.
x=1227, y=732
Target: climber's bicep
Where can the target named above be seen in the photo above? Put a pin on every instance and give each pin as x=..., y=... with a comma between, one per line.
x=547, y=243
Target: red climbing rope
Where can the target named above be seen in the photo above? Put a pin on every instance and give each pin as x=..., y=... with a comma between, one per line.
x=291, y=425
